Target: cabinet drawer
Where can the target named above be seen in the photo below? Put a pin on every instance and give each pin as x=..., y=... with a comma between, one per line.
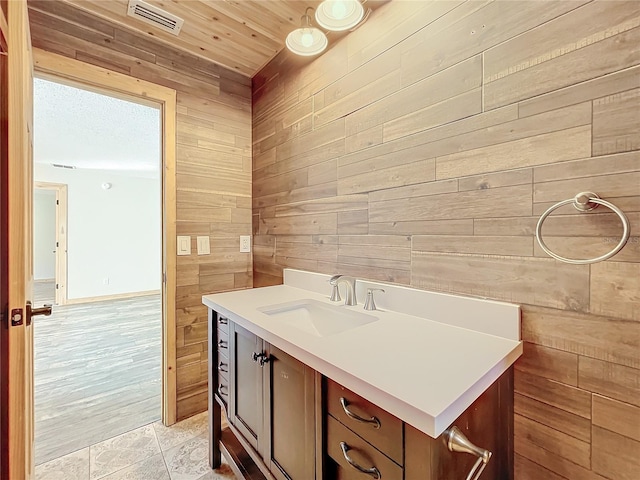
x=223, y=389
x=223, y=342
x=223, y=365
x=223, y=323
x=359, y=452
x=387, y=437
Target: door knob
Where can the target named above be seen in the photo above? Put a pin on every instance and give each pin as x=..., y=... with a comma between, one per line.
x=32, y=312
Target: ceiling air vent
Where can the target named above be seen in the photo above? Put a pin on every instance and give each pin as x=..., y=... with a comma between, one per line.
x=154, y=16
x=59, y=165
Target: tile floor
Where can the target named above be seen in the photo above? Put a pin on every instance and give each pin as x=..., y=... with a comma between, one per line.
x=152, y=452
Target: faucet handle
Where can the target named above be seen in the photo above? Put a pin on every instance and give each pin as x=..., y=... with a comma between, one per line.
x=370, y=304
x=335, y=293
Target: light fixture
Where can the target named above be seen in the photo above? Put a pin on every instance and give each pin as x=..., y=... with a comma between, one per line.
x=306, y=40
x=338, y=15
x=106, y=186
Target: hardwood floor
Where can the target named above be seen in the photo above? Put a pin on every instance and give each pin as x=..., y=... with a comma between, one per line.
x=97, y=373
x=44, y=292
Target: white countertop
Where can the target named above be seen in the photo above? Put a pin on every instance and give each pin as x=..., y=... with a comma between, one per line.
x=422, y=371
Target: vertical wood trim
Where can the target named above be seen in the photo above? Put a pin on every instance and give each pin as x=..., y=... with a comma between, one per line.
x=4, y=31
x=20, y=185
x=61, y=238
x=102, y=80
x=169, y=367
x=319, y=425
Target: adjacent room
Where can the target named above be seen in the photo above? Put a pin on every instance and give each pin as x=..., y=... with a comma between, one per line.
x=97, y=259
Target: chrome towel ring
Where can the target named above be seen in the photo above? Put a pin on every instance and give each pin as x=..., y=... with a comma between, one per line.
x=584, y=202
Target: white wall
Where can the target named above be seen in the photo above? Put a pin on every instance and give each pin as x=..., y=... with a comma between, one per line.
x=44, y=234
x=112, y=234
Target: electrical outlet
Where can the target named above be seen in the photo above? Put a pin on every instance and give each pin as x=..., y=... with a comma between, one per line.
x=105, y=281
x=245, y=243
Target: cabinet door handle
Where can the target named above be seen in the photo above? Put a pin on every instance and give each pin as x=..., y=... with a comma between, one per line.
x=260, y=358
x=221, y=392
x=222, y=344
x=223, y=321
x=373, y=420
x=224, y=370
x=373, y=471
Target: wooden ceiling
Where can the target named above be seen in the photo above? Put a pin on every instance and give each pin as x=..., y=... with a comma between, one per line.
x=239, y=34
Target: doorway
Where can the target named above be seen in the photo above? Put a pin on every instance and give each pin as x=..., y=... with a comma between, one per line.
x=17, y=418
x=98, y=358
x=49, y=243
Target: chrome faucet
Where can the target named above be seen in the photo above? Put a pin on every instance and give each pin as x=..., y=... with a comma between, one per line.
x=350, y=282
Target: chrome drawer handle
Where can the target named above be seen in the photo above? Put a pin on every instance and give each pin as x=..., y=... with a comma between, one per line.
x=224, y=370
x=373, y=471
x=345, y=406
x=222, y=344
x=221, y=392
x=223, y=321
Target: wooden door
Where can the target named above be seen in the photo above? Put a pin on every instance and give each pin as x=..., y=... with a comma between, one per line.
x=4, y=240
x=245, y=389
x=17, y=128
x=289, y=416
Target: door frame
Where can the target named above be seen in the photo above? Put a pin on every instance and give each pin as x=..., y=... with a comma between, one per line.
x=4, y=244
x=60, y=190
x=54, y=67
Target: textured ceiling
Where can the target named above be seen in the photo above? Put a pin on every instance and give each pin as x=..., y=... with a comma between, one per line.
x=93, y=131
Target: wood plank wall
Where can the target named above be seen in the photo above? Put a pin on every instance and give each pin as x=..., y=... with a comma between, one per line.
x=422, y=149
x=213, y=169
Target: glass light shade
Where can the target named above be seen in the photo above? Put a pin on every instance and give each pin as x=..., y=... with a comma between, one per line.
x=307, y=41
x=338, y=15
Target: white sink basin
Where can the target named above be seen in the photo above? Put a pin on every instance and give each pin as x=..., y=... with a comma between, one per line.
x=317, y=318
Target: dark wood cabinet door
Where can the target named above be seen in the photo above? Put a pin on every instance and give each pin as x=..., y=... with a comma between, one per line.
x=245, y=377
x=289, y=416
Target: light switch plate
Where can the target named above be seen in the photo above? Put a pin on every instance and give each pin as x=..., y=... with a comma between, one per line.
x=184, y=245
x=203, y=246
x=245, y=243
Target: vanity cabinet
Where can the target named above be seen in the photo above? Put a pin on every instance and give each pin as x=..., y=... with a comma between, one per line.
x=270, y=403
x=288, y=422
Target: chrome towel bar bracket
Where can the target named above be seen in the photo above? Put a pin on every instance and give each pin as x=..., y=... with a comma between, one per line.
x=458, y=442
x=584, y=202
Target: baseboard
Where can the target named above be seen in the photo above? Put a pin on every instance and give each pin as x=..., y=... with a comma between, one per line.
x=120, y=296
x=241, y=463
